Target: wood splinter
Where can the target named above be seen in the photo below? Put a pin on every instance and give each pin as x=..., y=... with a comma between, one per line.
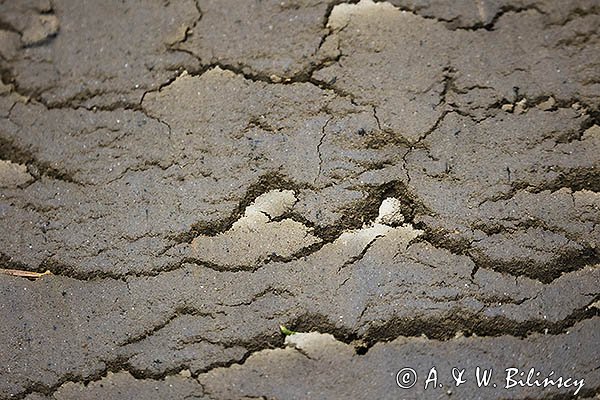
x=24, y=274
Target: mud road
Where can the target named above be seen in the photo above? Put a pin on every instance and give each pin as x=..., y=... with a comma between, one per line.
x=411, y=185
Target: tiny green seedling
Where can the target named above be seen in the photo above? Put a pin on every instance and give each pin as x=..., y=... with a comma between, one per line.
x=286, y=331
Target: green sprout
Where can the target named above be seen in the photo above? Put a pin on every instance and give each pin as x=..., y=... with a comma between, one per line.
x=286, y=331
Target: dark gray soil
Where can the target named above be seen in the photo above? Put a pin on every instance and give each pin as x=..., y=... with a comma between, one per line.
x=414, y=182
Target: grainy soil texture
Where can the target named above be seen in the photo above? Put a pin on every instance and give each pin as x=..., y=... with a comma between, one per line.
x=412, y=186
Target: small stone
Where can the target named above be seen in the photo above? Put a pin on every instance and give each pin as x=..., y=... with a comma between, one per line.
x=548, y=104
x=13, y=175
x=42, y=28
x=521, y=106
x=390, y=212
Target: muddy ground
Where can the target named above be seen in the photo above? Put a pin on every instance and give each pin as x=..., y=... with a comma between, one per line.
x=414, y=181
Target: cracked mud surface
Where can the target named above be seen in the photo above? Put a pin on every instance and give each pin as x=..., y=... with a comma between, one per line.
x=416, y=181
